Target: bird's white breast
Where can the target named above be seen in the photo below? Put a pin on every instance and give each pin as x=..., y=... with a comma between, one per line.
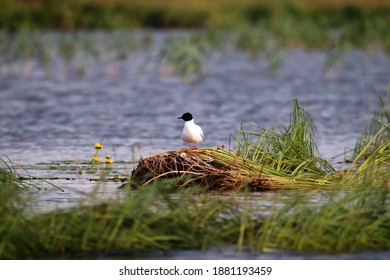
x=192, y=133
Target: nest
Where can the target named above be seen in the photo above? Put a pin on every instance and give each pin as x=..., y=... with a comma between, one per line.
x=209, y=168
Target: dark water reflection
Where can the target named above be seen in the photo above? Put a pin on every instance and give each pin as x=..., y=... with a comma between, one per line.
x=230, y=253
x=44, y=120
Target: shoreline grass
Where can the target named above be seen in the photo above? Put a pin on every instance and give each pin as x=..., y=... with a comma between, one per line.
x=73, y=14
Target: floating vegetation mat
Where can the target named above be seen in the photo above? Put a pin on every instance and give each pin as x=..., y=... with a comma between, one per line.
x=212, y=168
x=266, y=159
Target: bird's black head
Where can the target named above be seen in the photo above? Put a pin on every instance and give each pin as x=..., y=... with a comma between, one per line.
x=186, y=117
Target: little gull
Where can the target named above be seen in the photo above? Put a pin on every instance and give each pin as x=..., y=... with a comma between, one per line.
x=192, y=133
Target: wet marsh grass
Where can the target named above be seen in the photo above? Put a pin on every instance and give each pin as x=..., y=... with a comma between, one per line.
x=372, y=148
x=184, y=58
x=350, y=221
x=22, y=52
x=376, y=131
x=16, y=177
x=155, y=219
x=288, y=149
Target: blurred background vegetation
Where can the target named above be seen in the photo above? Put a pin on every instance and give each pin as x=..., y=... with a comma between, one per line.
x=107, y=14
x=254, y=26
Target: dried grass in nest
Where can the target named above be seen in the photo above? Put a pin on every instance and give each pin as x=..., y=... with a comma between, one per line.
x=206, y=167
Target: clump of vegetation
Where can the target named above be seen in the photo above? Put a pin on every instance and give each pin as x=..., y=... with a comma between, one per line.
x=253, y=40
x=184, y=58
x=377, y=131
x=345, y=223
x=290, y=150
x=283, y=157
x=10, y=177
x=265, y=159
x=215, y=169
x=372, y=149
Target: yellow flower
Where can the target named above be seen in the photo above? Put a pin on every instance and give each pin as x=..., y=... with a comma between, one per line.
x=95, y=159
x=108, y=156
x=98, y=146
x=108, y=161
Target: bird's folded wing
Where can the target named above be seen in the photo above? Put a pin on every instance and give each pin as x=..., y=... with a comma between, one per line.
x=201, y=133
